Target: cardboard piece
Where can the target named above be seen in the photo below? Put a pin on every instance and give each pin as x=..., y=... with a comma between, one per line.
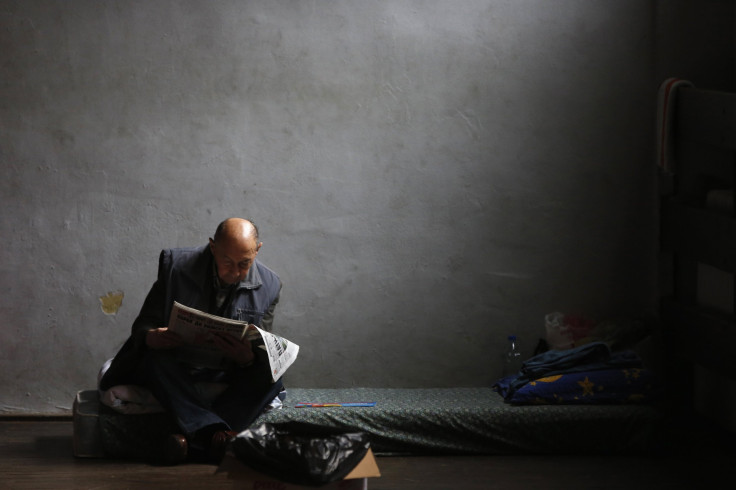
x=245, y=477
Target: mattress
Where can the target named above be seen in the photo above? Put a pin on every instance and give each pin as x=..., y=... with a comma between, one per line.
x=472, y=421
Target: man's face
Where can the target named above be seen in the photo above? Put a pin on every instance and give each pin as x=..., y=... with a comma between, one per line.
x=234, y=258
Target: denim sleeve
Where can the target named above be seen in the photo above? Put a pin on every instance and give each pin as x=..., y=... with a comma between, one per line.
x=152, y=311
x=267, y=321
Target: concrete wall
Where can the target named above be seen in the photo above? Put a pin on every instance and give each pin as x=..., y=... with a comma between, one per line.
x=428, y=176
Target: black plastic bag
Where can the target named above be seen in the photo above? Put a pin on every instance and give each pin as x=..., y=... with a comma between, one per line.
x=299, y=452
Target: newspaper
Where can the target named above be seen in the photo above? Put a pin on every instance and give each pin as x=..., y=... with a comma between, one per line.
x=197, y=327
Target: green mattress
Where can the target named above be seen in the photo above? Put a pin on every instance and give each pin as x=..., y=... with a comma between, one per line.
x=473, y=421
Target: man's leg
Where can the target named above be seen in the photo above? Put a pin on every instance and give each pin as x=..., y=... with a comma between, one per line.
x=249, y=391
x=173, y=385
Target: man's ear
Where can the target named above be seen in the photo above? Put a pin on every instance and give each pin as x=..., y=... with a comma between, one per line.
x=258, y=247
x=212, y=246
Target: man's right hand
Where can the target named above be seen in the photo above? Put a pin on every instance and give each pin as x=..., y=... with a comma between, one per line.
x=162, y=338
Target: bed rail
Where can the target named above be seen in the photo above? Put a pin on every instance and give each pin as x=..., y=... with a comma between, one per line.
x=699, y=234
x=706, y=117
x=708, y=335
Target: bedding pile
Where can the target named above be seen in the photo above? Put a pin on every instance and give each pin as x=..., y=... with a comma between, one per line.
x=589, y=374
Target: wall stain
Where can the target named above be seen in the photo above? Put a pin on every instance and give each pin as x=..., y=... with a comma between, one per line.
x=111, y=302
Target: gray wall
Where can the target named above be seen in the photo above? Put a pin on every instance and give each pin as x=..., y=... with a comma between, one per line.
x=428, y=176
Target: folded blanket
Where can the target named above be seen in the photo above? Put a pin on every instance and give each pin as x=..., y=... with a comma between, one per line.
x=130, y=399
x=588, y=357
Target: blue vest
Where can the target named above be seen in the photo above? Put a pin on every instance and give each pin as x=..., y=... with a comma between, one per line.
x=188, y=276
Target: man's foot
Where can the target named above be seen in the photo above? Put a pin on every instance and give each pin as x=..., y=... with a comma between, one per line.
x=175, y=449
x=218, y=444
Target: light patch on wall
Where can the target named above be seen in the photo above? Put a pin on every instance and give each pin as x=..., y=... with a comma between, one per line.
x=111, y=302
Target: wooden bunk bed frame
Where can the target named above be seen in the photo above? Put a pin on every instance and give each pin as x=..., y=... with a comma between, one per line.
x=697, y=234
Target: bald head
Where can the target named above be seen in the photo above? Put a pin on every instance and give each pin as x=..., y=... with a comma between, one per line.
x=236, y=229
x=234, y=248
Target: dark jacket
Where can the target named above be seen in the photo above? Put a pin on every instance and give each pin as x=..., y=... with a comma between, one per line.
x=186, y=275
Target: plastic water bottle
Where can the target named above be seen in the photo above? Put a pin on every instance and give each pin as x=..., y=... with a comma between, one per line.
x=513, y=357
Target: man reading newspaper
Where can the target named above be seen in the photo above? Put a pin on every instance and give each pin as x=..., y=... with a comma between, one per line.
x=222, y=278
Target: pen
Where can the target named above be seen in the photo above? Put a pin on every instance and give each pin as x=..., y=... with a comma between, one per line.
x=349, y=404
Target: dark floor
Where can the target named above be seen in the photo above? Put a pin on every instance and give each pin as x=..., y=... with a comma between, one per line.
x=38, y=455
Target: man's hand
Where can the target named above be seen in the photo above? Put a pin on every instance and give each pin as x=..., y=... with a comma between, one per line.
x=238, y=350
x=162, y=338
